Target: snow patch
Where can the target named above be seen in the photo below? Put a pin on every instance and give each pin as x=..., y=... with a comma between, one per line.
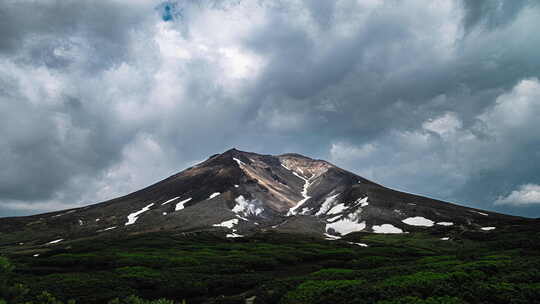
x=233, y=235
x=386, y=228
x=481, y=213
x=445, y=238
x=36, y=255
x=418, y=221
x=227, y=224
x=346, y=225
x=81, y=222
x=275, y=226
x=164, y=213
x=181, y=204
x=107, y=229
x=242, y=218
x=487, y=228
x=214, y=195
x=362, y=201
x=336, y=209
x=97, y=220
x=331, y=237
x=171, y=200
x=133, y=217
x=68, y=212
x=333, y=218
x=327, y=204
x=306, y=210
x=55, y=241
x=359, y=244
x=445, y=223
x=307, y=183
x=239, y=162
x=236, y=186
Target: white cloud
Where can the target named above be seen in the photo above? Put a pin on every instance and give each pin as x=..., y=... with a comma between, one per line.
x=444, y=125
x=515, y=111
x=341, y=151
x=527, y=194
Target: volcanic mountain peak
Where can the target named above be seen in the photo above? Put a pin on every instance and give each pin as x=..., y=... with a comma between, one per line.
x=306, y=167
x=238, y=193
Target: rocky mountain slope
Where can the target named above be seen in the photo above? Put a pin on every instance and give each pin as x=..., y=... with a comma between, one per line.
x=237, y=193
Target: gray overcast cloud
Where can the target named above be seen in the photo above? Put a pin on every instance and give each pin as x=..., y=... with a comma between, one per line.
x=101, y=98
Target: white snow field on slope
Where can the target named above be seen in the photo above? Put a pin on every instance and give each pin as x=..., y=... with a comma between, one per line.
x=239, y=162
x=327, y=204
x=230, y=225
x=362, y=201
x=133, y=217
x=68, y=212
x=386, y=228
x=328, y=209
x=306, y=210
x=336, y=209
x=181, y=204
x=307, y=183
x=418, y=221
x=233, y=235
x=55, y=241
x=331, y=237
x=333, y=218
x=171, y=200
x=247, y=207
x=445, y=223
x=359, y=244
x=481, y=213
x=213, y=195
x=487, y=228
x=346, y=225
x=227, y=224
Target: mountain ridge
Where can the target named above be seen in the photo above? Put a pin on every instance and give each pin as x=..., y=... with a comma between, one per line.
x=239, y=193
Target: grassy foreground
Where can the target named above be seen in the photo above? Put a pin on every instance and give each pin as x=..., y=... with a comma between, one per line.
x=501, y=266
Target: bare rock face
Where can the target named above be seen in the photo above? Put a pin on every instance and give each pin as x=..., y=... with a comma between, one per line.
x=238, y=193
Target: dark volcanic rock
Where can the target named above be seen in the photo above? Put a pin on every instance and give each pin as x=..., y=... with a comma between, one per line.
x=240, y=193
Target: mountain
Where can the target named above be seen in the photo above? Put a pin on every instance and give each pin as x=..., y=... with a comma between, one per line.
x=236, y=194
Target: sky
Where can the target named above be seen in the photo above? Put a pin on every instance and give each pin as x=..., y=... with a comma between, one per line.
x=434, y=97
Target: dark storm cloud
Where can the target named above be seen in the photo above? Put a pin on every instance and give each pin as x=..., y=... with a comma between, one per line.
x=492, y=13
x=34, y=29
x=99, y=99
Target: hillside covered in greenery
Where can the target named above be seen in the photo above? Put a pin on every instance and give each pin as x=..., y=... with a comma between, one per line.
x=500, y=266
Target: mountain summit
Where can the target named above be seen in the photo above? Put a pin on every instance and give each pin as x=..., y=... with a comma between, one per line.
x=238, y=193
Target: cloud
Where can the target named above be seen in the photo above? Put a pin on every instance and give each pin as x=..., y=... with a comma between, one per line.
x=492, y=13
x=461, y=159
x=343, y=151
x=525, y=195
x=104, y=98
x=444, y=125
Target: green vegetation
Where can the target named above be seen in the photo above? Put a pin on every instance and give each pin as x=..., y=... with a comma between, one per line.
x=160, y=268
